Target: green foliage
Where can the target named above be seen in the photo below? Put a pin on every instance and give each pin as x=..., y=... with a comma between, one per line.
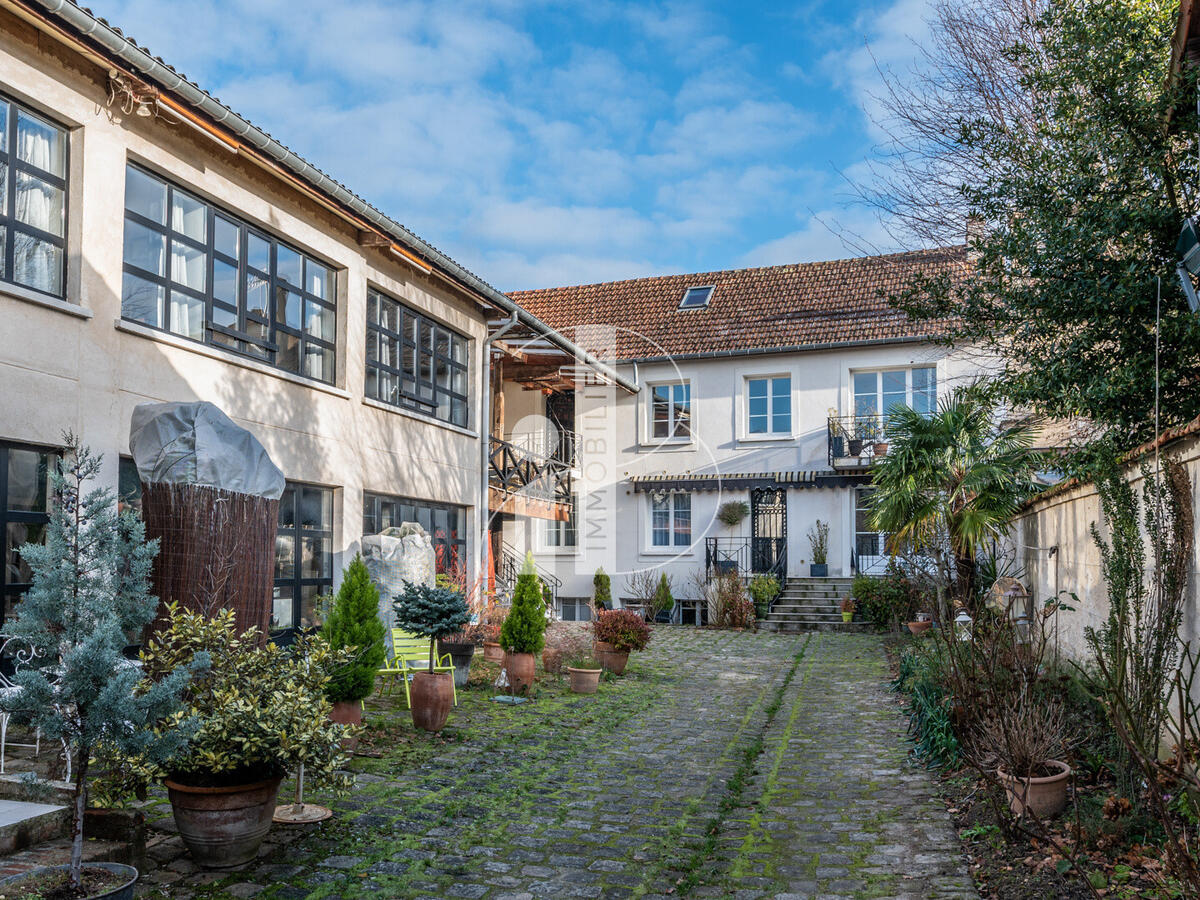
x=353, y=624
x=1083, y=204
x=433, y=612
x=524, y=628
x=601, y=590
x=663, y=599
x=886, y=601
x=763, y=590
x=261, y=710
x=818, y=541
x=90, y=593
x=733, y=512
x=623, y=628
x=952, y=482
x=922, y=678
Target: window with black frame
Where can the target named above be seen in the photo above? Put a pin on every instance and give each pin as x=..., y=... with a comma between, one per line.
x=33, y=199
x=445, y=524
x=202, y=273
x=25, y=497
x=303, y=556
x=415, y=362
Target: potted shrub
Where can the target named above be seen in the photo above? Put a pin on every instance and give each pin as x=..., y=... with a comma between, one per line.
x=763, y=591
x=260, y=711
x=663, y=599
x=353, y=624
x=1025, y=742
x=584, y=672
x=617, y=633
x=434, y=613
x=818, y=539
x=732, y=513
x=601, y=591
x=90, y=590
x=848, y=607
x=523, y=633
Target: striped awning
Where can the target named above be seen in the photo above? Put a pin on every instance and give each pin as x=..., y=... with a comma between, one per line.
x=726, y=481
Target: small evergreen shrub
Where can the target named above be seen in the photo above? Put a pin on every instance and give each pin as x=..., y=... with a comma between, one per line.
x=602, y=590
x=624, y=629
x=663, y=600
x=432, y=612
x=763, y=591
x=354, y=624
x=733, y=512
x=524, y=628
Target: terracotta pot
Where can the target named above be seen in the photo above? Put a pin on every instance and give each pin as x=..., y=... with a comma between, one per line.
x=613, y=660
x=919, y=627
x=1046, y=797
x=493, y=652
x=584, y=681
x=521, y=670
x=122, y=892
x=347, y=712
x=460, y=655
x=881, y=448
x=432, y=696
x=222, y=827
x=552, y=660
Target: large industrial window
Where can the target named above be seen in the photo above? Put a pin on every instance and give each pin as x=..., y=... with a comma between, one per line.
x=303, y=556
x=33, y=199
x=414, y=362
x=201, y=273
x=445, y=524
x=25, y=498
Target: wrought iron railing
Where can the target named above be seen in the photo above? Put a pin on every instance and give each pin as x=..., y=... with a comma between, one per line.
x=509, y=567
x=515, y=469
x=745, y=557
x=856, y=441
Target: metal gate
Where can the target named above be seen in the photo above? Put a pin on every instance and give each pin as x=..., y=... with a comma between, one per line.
x=768, y=534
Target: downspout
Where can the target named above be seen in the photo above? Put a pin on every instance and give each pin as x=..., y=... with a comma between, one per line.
x=485, y=443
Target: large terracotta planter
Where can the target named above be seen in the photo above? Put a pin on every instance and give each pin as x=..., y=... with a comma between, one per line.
x=347, y=712
x=222, y=827
x=919, y=628
x=432, y=696
x=493, y=652
x=1045, y=797
x=612, y=659
x=584, y=681
x=521, y=670
x=121, y=892
x=552, y=660
x=460, y=655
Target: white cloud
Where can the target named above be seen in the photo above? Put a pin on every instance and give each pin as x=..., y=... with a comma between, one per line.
x=828, y=234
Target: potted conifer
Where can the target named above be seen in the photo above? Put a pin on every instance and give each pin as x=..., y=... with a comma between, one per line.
x=523, y=633
x=353, y=624
x=433, y=612
x=90, y=589
x=601, y=591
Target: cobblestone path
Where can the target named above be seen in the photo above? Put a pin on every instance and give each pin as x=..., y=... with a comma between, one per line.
x=724, y=764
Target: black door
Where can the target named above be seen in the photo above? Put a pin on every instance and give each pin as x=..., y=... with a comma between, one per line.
x=768, y=534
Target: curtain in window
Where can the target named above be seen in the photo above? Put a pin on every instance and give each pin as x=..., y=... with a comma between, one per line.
x=37, y=263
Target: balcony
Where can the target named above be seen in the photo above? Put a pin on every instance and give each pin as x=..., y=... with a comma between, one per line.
x=528, y=482
x=856, y=442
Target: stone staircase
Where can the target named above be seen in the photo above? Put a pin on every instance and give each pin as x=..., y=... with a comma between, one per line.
x=811, y=604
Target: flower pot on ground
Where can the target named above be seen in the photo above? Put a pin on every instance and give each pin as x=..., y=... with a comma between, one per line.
x=617, y=633
x=353, y=625
x=1045, y=796
x=461, y=653
x=818, y=539
x=223, y=827
x=99, y=880
x=584, y=672
x=848, y=607
x=523, y=633
x=493, y=652
x=919, y=627
x=434, y=613
x=552, y=660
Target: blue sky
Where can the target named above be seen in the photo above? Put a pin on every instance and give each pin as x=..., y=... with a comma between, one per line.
x=548, y=143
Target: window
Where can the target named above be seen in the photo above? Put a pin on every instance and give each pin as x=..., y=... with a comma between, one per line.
x=33, y=199
x=414, y=362
x=25, y=497
x=671, y=520
x=671, y=410
x=445, y=524
x=769, y=405
x=129, y=486
x=303, y=556
x=879, y=392
x=201, y=273
x=563, y=533
x=696, y=297
x=575, y=609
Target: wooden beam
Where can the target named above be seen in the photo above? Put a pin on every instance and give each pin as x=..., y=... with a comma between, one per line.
x=373, y=239
x=519, y=505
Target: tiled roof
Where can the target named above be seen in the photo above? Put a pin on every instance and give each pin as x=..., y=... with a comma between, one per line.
x=805, y=305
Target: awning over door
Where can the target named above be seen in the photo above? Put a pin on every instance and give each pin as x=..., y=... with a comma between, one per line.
x=728, y=481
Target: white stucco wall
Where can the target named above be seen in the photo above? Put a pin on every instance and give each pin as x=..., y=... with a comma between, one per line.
x=84, y=369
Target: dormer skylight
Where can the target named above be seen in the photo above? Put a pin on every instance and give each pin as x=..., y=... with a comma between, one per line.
x=696, y=297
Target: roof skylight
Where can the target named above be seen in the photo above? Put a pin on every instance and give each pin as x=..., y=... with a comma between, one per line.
x=696, y=297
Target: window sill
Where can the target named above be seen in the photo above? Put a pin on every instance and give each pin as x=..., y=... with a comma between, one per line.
x=413, y=414
x=16, y=292
x=174, y=340
x=765, y=438
x=678, y=554
x=669, y=444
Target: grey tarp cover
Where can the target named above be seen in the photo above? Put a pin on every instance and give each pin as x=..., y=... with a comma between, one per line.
x=396, y=557
x=196, y=443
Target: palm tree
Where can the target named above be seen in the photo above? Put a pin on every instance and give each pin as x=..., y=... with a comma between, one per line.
x=952, y=481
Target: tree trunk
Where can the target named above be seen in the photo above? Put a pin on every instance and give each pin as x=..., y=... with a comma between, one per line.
x=77, y=823
x=964, y=577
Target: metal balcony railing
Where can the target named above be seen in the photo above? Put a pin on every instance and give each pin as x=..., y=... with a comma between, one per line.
x=514, y=469
x=745, y=557
x=856, y=441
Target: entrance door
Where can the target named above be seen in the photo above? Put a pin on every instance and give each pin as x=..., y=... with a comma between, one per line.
x=870, y=547
x=768, y=530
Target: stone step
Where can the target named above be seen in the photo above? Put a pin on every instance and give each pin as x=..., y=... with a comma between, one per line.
x=806, y=607
x=23, y=824
x=790, y=628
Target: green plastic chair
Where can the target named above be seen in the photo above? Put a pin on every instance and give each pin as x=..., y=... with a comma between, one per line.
x=410, y=654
